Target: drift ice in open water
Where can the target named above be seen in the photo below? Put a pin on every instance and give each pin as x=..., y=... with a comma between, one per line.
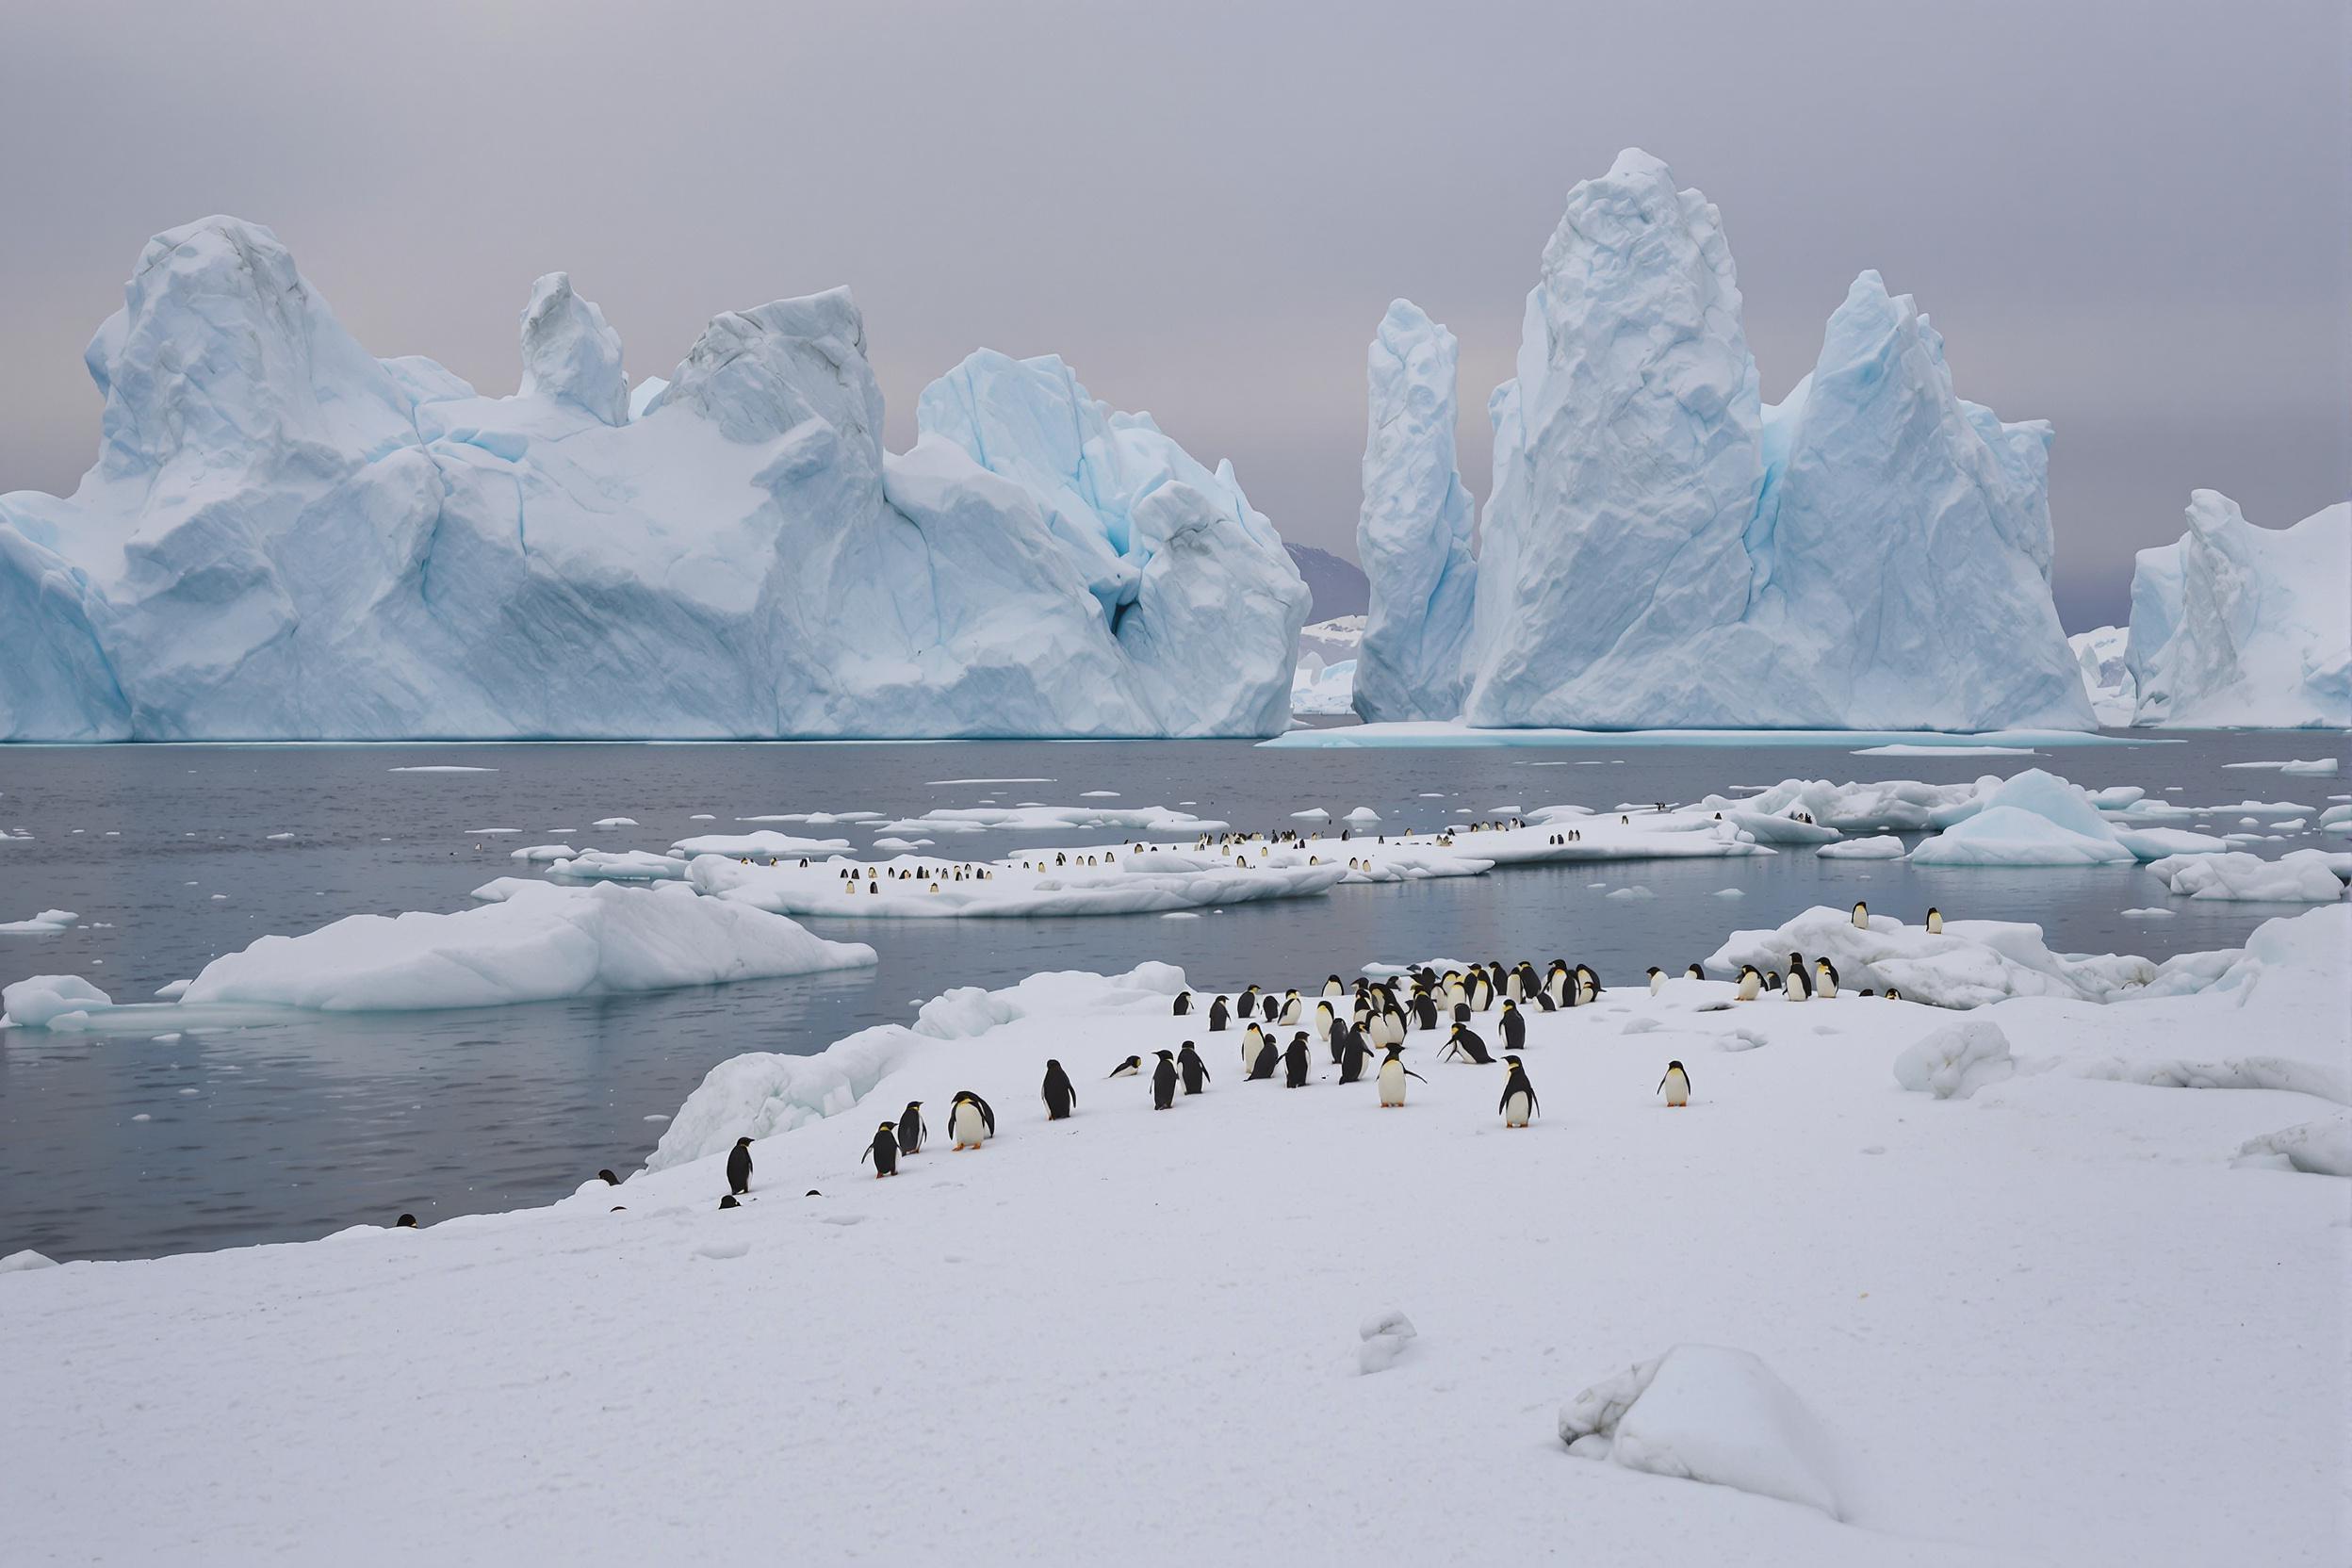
x=1662, y=551
x=285, y=537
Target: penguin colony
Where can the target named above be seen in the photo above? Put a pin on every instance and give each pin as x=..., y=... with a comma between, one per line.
x=1350, y=1024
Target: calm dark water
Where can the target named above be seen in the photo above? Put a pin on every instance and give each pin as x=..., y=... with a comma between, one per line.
x=287, y=1132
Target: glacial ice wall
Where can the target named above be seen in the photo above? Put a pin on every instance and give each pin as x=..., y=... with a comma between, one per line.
x=285, y=537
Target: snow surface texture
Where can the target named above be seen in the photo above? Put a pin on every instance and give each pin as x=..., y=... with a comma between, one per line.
x=1978, y=1373
x=1414, y=535
x=2101, y=654
x=285, y=538
x=540, y=940
x=1706, y=1413
x=1663, y=551
x=2240, y=627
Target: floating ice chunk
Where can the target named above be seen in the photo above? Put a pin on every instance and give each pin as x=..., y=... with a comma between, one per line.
x=632, y=865
x=41, y=999
x=48, y=922
x=2034, y=819
x=763, y=844
x=2147, y=914
x=173, y=992
x=1312, y=813
x=2299, y=877
x=1954, y=1063
x=1629, y=892
x=442, y=767
x=1363, y=816
x=614, y=822
x=538, y=854
x=1885, y=846
x=1707, y=1413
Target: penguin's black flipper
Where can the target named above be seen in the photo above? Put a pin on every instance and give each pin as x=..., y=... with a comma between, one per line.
x=987, y=1117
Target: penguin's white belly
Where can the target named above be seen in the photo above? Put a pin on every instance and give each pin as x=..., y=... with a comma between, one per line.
x=1322, y=1023
x=1392, y=1083
x=1516, y=1111
x=965, y=1126
x=1748, y=989
x=1332, y=988
x=1677, y=1090
x=1829, y=989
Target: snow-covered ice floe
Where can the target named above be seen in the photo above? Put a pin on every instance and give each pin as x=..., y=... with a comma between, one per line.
x=46, y=924
x=1128, y=882
x=536, y=942
x=2298, y=876
x=2054, y=1194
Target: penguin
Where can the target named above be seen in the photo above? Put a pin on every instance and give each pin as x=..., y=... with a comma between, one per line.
x=1164, y=1081
x=1184, y=1004
x=1588, y=986
x=1294, y=1062
x=911, y=1131
x=406, y=1222
x=1657, y=979
x=726, y=1203
x=1424, y=1010
x=1514, y=1027
x=1265, y=1062
x=1269, y=1006
x=1481, y=991
x=1293, y=1007
x=1695, y=973
x=1247, y=1004
x=1332, y=988
x=1893, y=995
x=608, y=1178
x=1797, y=987
x=1676, y=1085
x=1218, y=1014
x=1465, y=1041
x=1751, y=982
x=1392, y=1076
x=1354, y=1054
x=1128, y=1068
x=1518, y=1102
x=1556, y=983
x=739, y=1167
x=883, y=1151
x=1061, y=1097
x=970, y=1123
x=1251, y=1038
x=1861, y=916
x=1935, y=921
x=1824, y=978
x=1323, y=1018
x=1195, y=1071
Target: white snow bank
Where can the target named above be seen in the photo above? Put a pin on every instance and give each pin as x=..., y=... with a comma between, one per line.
x=46, y=924
x=1706, y=1412
x=2322, y=1147
x=1385, y=1338
x=36, y=1001
x=2298, y=876
x=25, y=1261
x=1954, y=1063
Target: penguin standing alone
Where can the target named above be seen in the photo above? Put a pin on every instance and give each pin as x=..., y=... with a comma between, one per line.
x=1676, y=1085
x=1218, y=1014
x=1861, y=916
x=883, y=1151
x=1294, y=1062
x=1164, y=1081
x=739, y=1167
x=1518, y=1102
x=1195, y=1071
x=970, y=1123
x=1061, y=1097
x=912, y=1132
x=1392, y=1076
x=1184, y=1004
x=1935, y=921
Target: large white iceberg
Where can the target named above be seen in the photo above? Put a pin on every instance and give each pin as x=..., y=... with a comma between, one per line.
x=1662, y=550
x=2239, y=625
x=285, y=537
x=2102, y=654
x=1413, y=534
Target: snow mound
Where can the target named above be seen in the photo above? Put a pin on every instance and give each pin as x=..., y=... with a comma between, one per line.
x=2237, y=625
x=1954, y=1063
x=1660, y=549
x=1705, y=1412
x=2323, y=1147
x=1384, y=1337
x=539, y=943
x=285, y=537
x=19, y=1263
x=41, y=999
x=1885, y=846
x=2298, y=876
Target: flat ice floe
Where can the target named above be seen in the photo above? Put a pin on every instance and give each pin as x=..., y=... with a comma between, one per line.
x=1132, y=883
x=2067, y=1203
x=2299, y=877
x=46, y=924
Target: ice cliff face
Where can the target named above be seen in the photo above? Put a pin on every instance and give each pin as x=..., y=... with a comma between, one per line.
x=285, y=537
x=2100, y=654
x=2242, y=626
x=1414, y=535
x=1663, y=549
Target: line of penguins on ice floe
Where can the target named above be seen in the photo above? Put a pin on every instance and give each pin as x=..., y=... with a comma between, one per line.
x=1377, y=1020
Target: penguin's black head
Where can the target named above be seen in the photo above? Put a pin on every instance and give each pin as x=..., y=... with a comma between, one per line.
x=406, y=1222
x=914, y=1104
x=1511, y=1061
x=1655, y=971
x=743, y=1143
x=1673, y=1067
x=1168, y=1055
x=608, y=1178
x=728, y=1202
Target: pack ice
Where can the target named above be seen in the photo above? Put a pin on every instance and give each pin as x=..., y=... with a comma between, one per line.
x=285, y=537
x=2239, y=625
x=1662, y=549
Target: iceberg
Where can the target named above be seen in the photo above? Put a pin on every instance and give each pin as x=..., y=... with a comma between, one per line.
x=2242, y=627
x=286, y=538
x=1662, y=549
x=1413, y=534
x=2033, y=819
x=2103, y=655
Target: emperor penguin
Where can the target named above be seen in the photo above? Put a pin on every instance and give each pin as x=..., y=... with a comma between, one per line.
x=1676, y=1084
x=883, y=1151
x=1128, y=1068
x=1556, y=983
x=1269, y=1006
x=1184, y=1004
x=1251, y=1038
x=1323, y=1018
x=1510, y=984
x=1861, y=916
x=408, y=1221
x=1751, y=982
x=1518, y=1102
x=1514, y=1027
x=1392, y=1076
x=1657, y=979
x=1262, y=1065
x=1893, y=995
x=1824, y=978
x=1465, y=1041
x=1934, y=922
x=1332, y=988
x=970, y=1123
x=1164, y=1081
x=1194, y=1071
x=1060, y=1096
x=1219, y=1015
x=608, y=1178
x=1797, y=987
x=739, y=1167
x=1247, y=1004
x=911, y=1131
x=1293, y=1007
x=1453, y=995
x=1424, y=1009
x=1294, y=1062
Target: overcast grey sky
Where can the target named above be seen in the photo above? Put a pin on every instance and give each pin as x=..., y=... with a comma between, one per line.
x=2132, y=219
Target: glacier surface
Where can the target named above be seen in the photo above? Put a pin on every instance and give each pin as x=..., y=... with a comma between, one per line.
x=2242, y=627
x=285, y=537
x=1663, y=549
